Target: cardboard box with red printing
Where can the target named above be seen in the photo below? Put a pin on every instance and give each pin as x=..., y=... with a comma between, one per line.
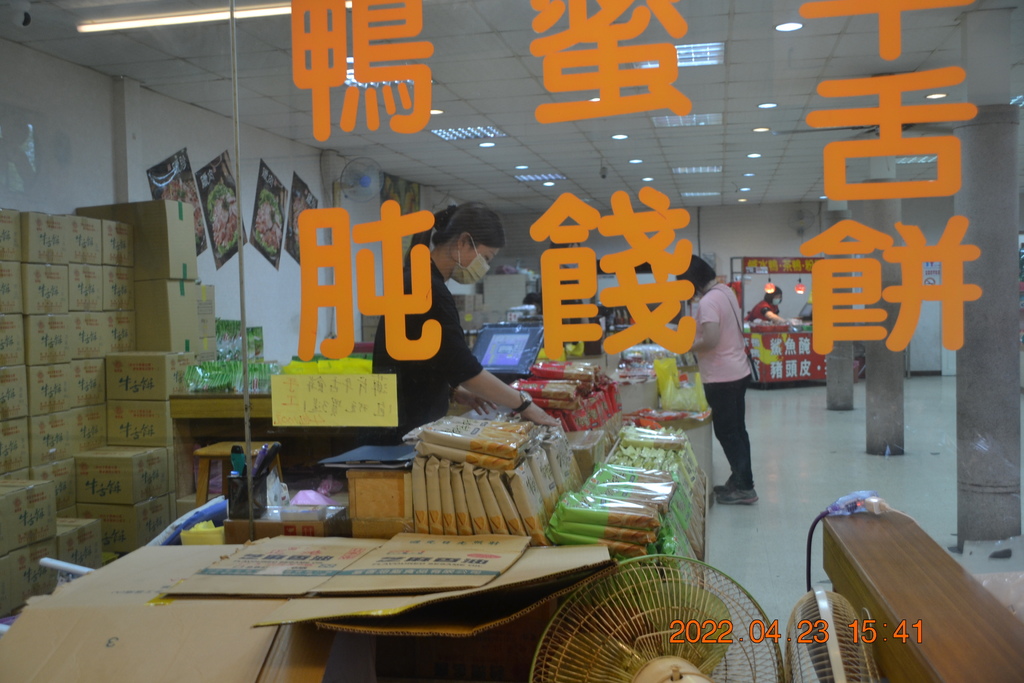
x=80, y=541
x=13, y=392
x=146, y=375
x=118, y=248
x=10, y=235
x=88, y=382
x=120, y=475
x=166, y=230
x=10, y=287
x=27, y=512
x=49, y=438
x=12, y=340
x=89, y=334
x=45, y=239
x=86, y=240
x=44, y=288
x=14, y=445
x=127, y=527
x=118, y=288
x=29, y=577
x=166, y=317
x=120, y=331
x=49, y=388
x=85, y=285
x=88, y=427
x=6, y=599
x=139, y=423
x=62, y=474
x=47, y=339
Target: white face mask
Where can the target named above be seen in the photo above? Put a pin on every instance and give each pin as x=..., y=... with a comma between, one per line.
x=474, y=272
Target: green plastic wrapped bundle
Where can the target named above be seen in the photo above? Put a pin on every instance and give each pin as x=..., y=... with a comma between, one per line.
x=654, y=488
x=600, y=511
x=619, y=549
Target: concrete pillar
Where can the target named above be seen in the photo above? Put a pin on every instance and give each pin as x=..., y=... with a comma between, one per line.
x=129, y=167
x=988, y=365
x=839, y=363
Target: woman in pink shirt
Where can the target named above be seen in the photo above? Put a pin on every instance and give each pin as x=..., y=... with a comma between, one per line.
x=725, y=373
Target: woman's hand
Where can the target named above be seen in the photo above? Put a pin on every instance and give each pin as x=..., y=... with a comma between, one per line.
x=468, y=398
x=536, y=414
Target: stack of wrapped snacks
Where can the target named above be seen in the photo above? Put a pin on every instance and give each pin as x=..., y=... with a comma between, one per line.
x=564, y=467
x=629, y=529
x=558, y=394
x=493, y=445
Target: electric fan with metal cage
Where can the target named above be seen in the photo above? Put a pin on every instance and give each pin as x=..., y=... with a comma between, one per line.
x=646, y=624
x=829, y=654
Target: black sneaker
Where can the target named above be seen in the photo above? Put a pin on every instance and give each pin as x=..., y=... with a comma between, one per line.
x=737, y=497
x=729, y=485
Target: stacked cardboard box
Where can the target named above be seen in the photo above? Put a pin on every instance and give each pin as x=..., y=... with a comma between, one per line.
x=206, y=309
x=139, y=386
x=28, y=527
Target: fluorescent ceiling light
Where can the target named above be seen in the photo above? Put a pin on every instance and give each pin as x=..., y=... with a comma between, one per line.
x=761, y=130
x=823, y=197
x=636, y=161
x=695, y=54
x=923, y=159
x=469, y=133
x=435, y=112
x=487, y=144
x=789, y=26
x=753, y=155
x=749, y=175
x=522, y=167
x=697, y=169
x=744, y=189
x=179, y=19
x=539, y=176
x=699, y=194
x=620, y=136
x=767, y=105
x=549, y=184
x=691, y=120
x=647, y=179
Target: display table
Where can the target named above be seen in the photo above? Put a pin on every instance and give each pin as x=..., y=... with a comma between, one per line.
x=888, y=566
x=785, y=356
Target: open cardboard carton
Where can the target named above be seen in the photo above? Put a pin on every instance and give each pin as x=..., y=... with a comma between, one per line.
x=159, y=609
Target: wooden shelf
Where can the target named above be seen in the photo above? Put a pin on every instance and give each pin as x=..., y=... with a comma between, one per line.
x=214, y=406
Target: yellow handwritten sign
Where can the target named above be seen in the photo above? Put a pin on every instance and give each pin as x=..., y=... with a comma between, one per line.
x=334, y=400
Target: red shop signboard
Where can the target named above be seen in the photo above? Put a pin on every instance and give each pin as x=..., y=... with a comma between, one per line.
x=786, y=357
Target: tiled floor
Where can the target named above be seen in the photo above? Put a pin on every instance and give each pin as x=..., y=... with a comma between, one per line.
x=805, y=457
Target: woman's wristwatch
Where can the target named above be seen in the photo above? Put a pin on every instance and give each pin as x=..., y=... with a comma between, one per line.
x=527, y=402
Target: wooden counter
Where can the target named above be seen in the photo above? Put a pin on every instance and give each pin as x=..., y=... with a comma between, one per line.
x=887, y=565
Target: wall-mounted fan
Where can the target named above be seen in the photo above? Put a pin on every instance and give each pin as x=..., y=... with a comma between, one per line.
x=360, y=179
x=658, y=618
x=814, y=654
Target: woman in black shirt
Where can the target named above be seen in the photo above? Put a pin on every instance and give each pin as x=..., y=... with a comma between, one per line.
x=462, y=244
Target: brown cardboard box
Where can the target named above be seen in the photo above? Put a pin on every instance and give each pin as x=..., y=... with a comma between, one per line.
x=88, y=427
x=6, y=599
x=27, y=512
x=85, y=284
x=49, y=388
x=589, y=448
x=10, y=235
x=118, y=244
x=127, y=527
x=44, y=288
x=120, y=331
x=184, y=505
x=49, y=438
x=13, y=392
x=139, y=423
x=120, y=475
x=118, y=288
x=62, y=474
x=16, y=474
x=237, y=530
x=207, y=349
x=146, y=375
x=376, y=494
x=381, y=528
x=47, y=339
x=166, y=230
x=28, y=578
x=45, y=239
x=80, y=541
x=11, y=298
x=12, y=341
x=206, y=302
x=89, y=333
x=88, y=382
x=14, y=445
x=165, y=315
x=86, y=240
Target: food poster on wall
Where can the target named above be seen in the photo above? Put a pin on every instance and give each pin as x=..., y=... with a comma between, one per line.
x=301, y=199
x=172, y=179
x=406, y=193
x=267, y=232
x=219, y=198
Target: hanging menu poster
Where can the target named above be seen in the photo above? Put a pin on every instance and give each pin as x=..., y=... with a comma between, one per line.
x=219, y=198
x=267, y=232
x=301, y=199
x=172, y=179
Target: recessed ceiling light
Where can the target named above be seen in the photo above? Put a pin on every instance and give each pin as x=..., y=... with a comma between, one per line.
x=935, y=96
x=647, y=179
x=744, y=189
x=823, y=197
x=549, y=184
x=487, y=144
x=636, y=161
x=435, y=112
x=749, y=175
x=620, y=136
x=762, y=130
x=595, y=99
x=789, y=26
x=522, y=167
x=753, y=155
x=767, y=105
x=742, y=199
x=696, y=54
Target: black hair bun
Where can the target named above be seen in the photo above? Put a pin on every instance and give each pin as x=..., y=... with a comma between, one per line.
x=443, y=218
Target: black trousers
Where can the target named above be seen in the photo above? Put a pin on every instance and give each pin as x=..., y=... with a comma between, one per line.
x=728, y=417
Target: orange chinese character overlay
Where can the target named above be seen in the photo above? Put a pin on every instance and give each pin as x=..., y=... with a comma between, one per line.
x=890, y=15
x=334, y=256
x=952, y=292
x=654, y=305
x=567, y=274
x=861, y=276
x=319, y=48
x=393, y=302
x=890, y=117
x=380, y=45
x=609, y=67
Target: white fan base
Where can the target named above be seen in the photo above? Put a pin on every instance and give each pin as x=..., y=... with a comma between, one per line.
x=665, y=669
